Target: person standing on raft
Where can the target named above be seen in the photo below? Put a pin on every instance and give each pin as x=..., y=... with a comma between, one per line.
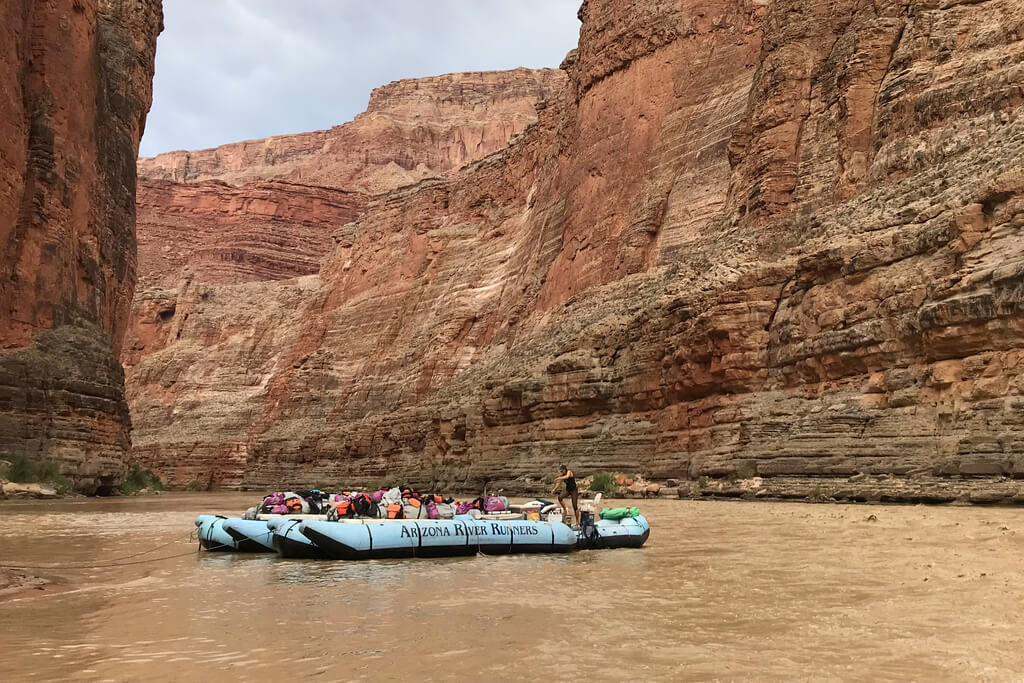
x=570, y=490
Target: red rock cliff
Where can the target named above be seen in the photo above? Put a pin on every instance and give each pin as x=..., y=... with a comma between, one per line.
x=207, y=232
x=294, y=190
x=77, y=87
x=412, y=129
x=763, y=246
x=219, y=234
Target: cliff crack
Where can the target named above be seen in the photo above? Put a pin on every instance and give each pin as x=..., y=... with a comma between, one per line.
x=775, y=311
x=888, y=66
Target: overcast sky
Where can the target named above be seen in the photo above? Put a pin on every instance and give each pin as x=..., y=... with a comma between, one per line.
x=229, y=70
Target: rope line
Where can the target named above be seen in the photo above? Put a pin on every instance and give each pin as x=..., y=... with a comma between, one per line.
x=117, y=562
x=100, y=566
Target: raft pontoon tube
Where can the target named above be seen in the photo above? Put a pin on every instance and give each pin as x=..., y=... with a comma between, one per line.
x=212, y=536
x=251, y=535
x=290, y=543
x=368, y=538
x=629, y=532
x=464, y=535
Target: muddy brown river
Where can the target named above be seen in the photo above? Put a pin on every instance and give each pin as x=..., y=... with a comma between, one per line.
x=727, y=591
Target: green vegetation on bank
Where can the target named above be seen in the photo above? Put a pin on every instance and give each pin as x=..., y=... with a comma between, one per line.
x=139, y=479
x=194, y=485
x=28, y=471
x=603, y=482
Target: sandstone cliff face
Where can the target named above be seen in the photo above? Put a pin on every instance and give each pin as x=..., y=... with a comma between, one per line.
x=195, y=227
x=200, y=239
x=769, y=246
x=77, y=87
x=219, y=234
x=411, y=129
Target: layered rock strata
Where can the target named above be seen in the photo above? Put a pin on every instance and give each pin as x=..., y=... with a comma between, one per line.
x=194, y=227
x=77, y=87
x=412, y=129
x=220, y=234
x=765, y=242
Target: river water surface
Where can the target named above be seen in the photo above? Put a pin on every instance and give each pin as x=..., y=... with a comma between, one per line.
x=722, y=591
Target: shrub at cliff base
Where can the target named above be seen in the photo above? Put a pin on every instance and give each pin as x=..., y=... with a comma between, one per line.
x=138, y=480
x=194, y=486
x=24, y=470
x=603, y=482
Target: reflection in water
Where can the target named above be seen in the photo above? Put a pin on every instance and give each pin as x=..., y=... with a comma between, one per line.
x=723, y=590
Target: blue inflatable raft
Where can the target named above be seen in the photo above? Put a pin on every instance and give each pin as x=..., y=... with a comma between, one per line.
x=374, y=538
x=252, y=535
x=464, y=535
x=212, y=536
x=631, y=532
x=289, y=541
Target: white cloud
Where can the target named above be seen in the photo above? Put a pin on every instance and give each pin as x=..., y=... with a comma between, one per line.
x=232, y=70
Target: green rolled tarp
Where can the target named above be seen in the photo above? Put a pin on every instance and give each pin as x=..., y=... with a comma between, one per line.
x=619, y=513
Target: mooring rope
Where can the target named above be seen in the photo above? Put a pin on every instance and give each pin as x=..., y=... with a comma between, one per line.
x=116, y=562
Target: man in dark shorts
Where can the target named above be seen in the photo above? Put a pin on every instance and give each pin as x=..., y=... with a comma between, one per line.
x=566, y=475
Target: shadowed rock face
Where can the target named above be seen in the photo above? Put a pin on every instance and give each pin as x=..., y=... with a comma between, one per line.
x=762, y=240
x=77, y=87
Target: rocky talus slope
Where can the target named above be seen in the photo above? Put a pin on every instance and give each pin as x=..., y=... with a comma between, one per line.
x=77, y=80
x=759, y=246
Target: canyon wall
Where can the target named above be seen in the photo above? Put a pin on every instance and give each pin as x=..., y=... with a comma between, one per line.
x=221, y=234
x=199, y=236
x=767, y=246
x=265, y=209
x=77, y=87
x=412, y=129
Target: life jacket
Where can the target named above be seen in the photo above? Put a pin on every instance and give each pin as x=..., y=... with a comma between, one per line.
x=396, y=511
x=415, y=509
x=362, y=504
x=340, y=510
